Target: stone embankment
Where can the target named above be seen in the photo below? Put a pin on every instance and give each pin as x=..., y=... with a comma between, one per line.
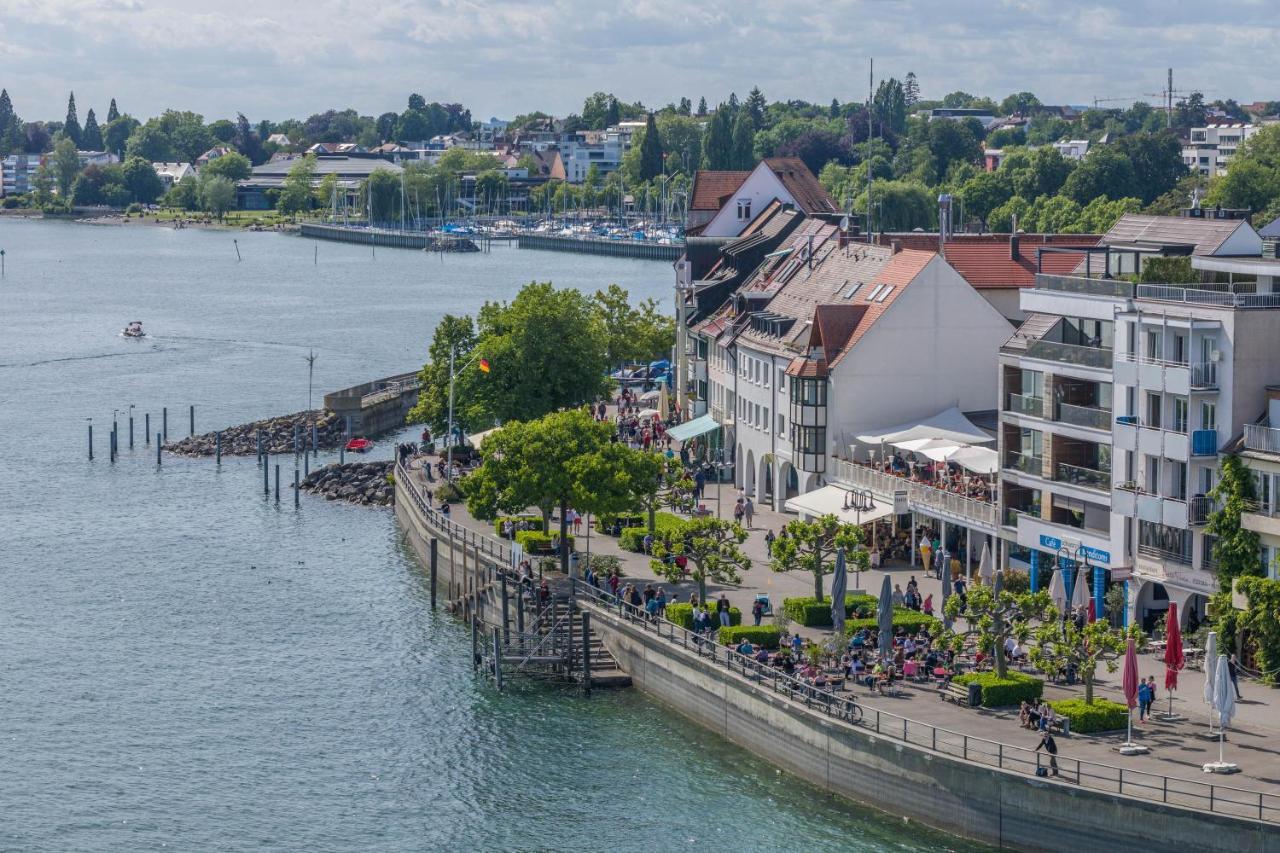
x=277, y=436
x=364, y=483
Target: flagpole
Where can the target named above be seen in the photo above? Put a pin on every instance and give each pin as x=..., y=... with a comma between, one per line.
x=453, y=374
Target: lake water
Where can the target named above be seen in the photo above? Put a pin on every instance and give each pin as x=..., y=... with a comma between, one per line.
x=185, y=665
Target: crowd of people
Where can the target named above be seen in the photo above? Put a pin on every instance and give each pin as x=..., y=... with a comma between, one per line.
x=946, y=476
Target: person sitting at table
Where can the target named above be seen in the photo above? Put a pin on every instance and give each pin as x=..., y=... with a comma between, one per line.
x=820, y=679
x=859, y=639
x=762, y=655
x=788, y=664
x=745, y=648
x=887, y=676
x=1025, y=713
x=1045, y=716
x=909, y=647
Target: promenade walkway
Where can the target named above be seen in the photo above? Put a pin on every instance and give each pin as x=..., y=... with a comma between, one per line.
x=1178, y=749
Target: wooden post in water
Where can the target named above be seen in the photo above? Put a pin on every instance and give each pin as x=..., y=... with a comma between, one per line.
x=237, y=244
x=164, y=422
x=586, y=653
x=497, y=658
x=90, y=441
x=297, y=490
x=306, y=464
x=131, y=429
x=520, y=609
x=435, y=558
x=217, y=445
x=261, y=457
x=296, y=442
x=342, y=454
x=506, y=610
x=277, y=482
x=146, y=428
x=315, y=441
x=266, y=485
x=193, y=422
x=158, y=443
x=475, y=632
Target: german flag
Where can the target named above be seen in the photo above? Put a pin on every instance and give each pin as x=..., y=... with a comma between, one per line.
x=484, y=365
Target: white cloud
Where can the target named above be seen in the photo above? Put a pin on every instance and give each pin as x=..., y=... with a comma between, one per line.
x=289, y=59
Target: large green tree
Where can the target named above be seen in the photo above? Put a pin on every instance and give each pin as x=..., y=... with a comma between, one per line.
x=141, y=180
x=811, y=546
x=71, y=127
x=1105, y=171
x=993, y=615
x=66, y=164
x=651, y=152
x=217, y=195
x=717, y=145
x=295, y=191
x=91, y=136
x=742, y=144
x=115, y=136
x=1253, y=175
x=1061, y=646
x=632, y=333
x=1157, y=163
x=712, y=548
x=454, y=336
x=233, y=166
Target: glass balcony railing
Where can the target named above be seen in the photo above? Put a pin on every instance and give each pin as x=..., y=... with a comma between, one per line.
x=1026, y=463
x=1085, y=416
x=1024, y=404
x=1083, y=356
x=1010, y=517
x=1078, y=476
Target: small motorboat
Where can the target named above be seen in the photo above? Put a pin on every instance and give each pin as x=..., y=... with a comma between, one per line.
x=359, y=445
x=133, y=330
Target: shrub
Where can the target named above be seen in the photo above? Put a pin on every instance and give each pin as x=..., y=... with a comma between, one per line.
x=1017, y=582
x=603, y=564
x=682, y=615
x=1102, y=716
x=1001, y=692
x=903, y=617
x=537, y=542
x=631, y=519
x=632, y=538
x=533, y=522
x=769, y=636
x=448, y=492
x=812, y=613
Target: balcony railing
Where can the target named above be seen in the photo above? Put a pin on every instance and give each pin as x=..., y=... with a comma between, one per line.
x=1204, y=442
x=1268, y=508
x=1204, y=374
x=1081, y=284
x=1070, y=353
x=1261, y=438
x=1165, y=554
x=1078, y=476
x=1025, y=404
x=1085, y=416
x=1026, y=463
x=1198, y=509
x=919, y=495
x=1198, y=296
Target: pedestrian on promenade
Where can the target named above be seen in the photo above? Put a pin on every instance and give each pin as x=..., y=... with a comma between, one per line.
x=797, y=644
x=928, y=605
x=769, y=539
x=1048, y=744
x=748, y=510
x=757, y=611
x=899, y=599
x=1144, y=701
x=699, y=481
x=661, y=599
x=1233, y=670
x=722, y=610
x=738, y=511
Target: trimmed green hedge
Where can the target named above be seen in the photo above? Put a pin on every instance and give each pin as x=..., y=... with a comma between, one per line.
x=630, y=519
x=682, y=615
x=1102, y=716
x=1001, y=693
x=632, y=538
x=811, y=613
x=903, y=617
x=769, y=636
x=537, y=542
x=534, y=522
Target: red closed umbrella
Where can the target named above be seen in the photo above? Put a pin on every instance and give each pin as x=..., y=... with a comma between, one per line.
x=1173, y=658
x=1130, y=683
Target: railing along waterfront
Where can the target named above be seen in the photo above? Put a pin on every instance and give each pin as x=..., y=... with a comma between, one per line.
x=389, y=392
x=1070, y=353
x=1105, y=778
x=1262, y=438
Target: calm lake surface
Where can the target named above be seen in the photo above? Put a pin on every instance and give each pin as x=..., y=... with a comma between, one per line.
x=185, y=665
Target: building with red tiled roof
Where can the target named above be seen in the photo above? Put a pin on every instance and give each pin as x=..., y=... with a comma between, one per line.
x=828, y=339
x=740, y=196
x=711, y=191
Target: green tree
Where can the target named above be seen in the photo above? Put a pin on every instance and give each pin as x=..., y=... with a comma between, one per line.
x=1002, y=217
x=755, y=105
x=295, y=191
x=663, y=484
x=717, y=146
x=992, y=616
x=901, y=205
x=702, y=106
x=631, y=333
x=91, y=136
x=1253, y=175
x=1042, y=171
x=1261, y=621
x=10, y=126
x=651, y=152
x=150, y=142
x=712, y=548
x=911, y=89
x=1105, y=171
x=682, y=139
x=185, y=194
x=811, y=546
x=742, y=146
x=890, y=105
x=217, y=195
x=382, y=192
x=141, y=181
x=1236, y=550
x=112, y=112
x=115, y=136
x=233, y=166
x=1060, y=645
x=223, y=130
x=66, y=164
x=1157, y=163
x=455, y=335
x=984, y=192
x=1022, y=103
x=614, y=114
x=71, y=127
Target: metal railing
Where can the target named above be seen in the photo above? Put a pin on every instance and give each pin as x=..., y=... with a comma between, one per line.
x=1026, y=463
x=1070, y=353
x=1085, y=416
x=1204, y=374
x=1164, y=553
x=919, y=495
x=1198, y=296
x=389, y=392
x=1025, y=404
x=1080, y=476
x=1262, y=438
x=1081, y=284
x=1198, y=509
x=1104, y=778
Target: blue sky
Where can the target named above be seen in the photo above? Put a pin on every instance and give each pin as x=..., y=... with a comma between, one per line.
x=280, y=59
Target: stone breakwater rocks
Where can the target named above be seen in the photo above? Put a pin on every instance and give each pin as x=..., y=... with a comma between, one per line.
x=277, y=436
x=355, y=482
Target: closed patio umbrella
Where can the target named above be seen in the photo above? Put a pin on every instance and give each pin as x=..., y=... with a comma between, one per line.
x=1080, y=589
x=884, y=617
x=839, y=583
x=1130, y=684
x=1210, y=672
x=986, y=565
x=1057, y=591
x=1224, y=702
x=1174, y=660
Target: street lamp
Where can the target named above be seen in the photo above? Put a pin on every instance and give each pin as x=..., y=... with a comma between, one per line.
x=453, y=374
x=859, y=501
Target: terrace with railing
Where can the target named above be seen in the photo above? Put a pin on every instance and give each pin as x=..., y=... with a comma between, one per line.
x=976, y=506
x=1262, y=438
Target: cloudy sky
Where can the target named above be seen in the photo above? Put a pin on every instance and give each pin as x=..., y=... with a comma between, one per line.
x=280, y=58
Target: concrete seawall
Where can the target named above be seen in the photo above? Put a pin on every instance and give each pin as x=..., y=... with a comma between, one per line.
x=387, y=238
x=596, y=246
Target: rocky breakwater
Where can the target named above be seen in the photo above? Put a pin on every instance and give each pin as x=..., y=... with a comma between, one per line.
x=277, y=436
x=354, y=482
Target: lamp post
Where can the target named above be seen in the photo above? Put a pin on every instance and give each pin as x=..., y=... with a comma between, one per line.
x=453, y=375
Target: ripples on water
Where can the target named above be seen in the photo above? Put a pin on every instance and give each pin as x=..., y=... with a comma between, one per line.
x=185, y=665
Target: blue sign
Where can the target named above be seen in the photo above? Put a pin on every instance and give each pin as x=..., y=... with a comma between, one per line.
x=1096, y=555
x=1053, y=543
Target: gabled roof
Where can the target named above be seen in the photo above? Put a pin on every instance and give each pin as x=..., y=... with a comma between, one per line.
x=990, y=263
x=1205, y=235
x=810, y=195
x=712, y=189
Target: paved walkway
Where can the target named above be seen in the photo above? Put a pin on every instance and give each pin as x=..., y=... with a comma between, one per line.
x=1178, y=749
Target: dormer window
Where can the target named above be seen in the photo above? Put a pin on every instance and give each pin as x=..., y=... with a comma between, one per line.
x=744, y=209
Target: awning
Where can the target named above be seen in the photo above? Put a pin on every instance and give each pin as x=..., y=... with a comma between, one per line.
x=830, y=500
x=979, y=460
x=950, y=424
x=693, y=428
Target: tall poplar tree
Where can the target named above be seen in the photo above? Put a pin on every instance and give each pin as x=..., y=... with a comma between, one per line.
x=742, y=155
x=91, y=136
x=717, y=150
x=651, y=151
x=112, y=112
x=72, y=125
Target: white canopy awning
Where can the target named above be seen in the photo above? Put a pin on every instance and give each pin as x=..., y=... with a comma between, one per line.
x=477, y=439
x=646, y=413
x=979, y=460
x=941, y=452
x=830, y=500
x=949, y=424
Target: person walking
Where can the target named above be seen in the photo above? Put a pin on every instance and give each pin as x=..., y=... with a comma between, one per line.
x=738, y=511
x=722, y=610
x=1233, y=670
x=757, y=611
x=1144, y=701
x=1049, y=745
x=748, y=510
x=769, y=539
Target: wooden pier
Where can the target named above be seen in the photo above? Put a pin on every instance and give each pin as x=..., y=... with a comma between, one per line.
x=600, y=246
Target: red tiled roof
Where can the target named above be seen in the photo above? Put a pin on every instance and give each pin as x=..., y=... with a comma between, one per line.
x=990, y=264
x=900, y=271
x=712, y=189
x=810, y=196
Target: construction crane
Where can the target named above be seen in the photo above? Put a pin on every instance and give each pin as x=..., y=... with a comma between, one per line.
x=1166, y=97
x=1097, y=101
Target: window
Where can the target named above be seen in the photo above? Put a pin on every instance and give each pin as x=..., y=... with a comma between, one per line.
x=1208, y=415
x=1154, y=350
x=1154, y=405
x=1179, y=354
x=875, y=291
x=808, y=392
x=1208, y=346
x=1153, y=475
x=1206, y=480
x=853, y=288
x=782, y=424
x=744, y=208
x=1178, y=480
x=809, y=440
x=884, y=294
x=1180, y=414
x=782, y=380
x=766, y=375
x=764, y=421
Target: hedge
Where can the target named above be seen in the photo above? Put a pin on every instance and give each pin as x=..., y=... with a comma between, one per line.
x=1102, y=716
x=1000, y=693
x=812, y=613
x=682, y=615
x=534, y=522
x=903, y=617
x=769, y=636
x=632, y=538
x=537, y=542
x=629, y=519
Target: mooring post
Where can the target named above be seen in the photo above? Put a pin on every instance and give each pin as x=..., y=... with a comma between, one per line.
x=435, y=557
x=164, y=422
x=131, y=430
x=158, y=444
x=277, y=482
x=91, y=442
x=266, y=485
x=306, y=464
x=506, y=610
x=497, y=658
x=520, y=609
x=297, y=490
x=261, y=457
x=315, y=441
x=217, y=445
x=475, y=635
x=296, y=442
x=193, y=421
x=146, y=428
x=586, y=653
x=111, y=446
x=342, y=455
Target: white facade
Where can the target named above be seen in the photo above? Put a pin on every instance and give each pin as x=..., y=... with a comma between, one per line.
x=760, y=188
x=16, y=172
x=1211, y=148
x=172, y=173
x=1072, y=149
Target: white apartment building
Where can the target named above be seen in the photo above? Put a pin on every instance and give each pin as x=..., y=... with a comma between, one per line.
x=16, y=172
x=1072, y=149
x=1210, y=148
x=1260, y=451
x=1117, y=399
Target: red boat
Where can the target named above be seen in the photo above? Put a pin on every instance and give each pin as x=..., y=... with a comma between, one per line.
x=359, y=445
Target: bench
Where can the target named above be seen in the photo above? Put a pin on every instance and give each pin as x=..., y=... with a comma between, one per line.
x=958, y=693
x=1061, y=725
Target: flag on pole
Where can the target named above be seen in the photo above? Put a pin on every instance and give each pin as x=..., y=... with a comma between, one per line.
x=484, y=365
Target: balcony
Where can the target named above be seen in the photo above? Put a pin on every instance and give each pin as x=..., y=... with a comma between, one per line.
x=1024, y=404
x=1165, y=554
x=1096, y=357
x=1262, y=518
x=1088, y=478
x=1204, y=375
x=1026, y=463
x=1263, y=439
x=1198, y=510
x=1080, y=284
x=1198, y=296
x=1010, y=517
x=920, y=496
x=1204, y=442
x=1085, y=416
